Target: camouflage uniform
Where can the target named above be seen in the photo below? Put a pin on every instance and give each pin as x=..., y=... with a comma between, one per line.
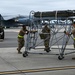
x=21, y=39
x=73, y=32
x=46, y=37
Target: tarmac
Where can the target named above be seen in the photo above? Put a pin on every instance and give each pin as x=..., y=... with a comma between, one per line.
x=38, y=62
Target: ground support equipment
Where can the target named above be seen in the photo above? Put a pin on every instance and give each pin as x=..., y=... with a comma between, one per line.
x=58, y=21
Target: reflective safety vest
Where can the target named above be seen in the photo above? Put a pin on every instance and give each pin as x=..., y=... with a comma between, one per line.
x=73, y=38
x=19, y=36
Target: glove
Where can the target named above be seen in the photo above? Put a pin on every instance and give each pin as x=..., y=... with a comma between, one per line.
x=65, y=32
x=27, y=32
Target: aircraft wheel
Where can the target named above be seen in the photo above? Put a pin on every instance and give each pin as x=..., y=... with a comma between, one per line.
x=2, y=36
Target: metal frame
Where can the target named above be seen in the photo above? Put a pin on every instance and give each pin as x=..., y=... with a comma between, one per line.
x=36, y=21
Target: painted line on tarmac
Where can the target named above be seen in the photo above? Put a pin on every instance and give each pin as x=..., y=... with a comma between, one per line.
x=37, y=70
x=12, y=30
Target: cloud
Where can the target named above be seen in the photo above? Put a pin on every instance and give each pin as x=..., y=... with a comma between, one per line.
x=25, y=6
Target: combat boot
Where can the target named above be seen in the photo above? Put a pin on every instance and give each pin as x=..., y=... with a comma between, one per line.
x=47, y=49
x=73, y=58
x=19, y=52
x=74, y=45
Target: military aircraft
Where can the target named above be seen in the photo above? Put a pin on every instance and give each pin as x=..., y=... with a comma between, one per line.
x=12, y=21
x=16, y=21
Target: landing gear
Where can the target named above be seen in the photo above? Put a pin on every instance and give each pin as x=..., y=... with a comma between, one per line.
x=2, y=34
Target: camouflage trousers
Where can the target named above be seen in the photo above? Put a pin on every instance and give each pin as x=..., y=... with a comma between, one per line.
x=20, y=43
x=46, y=42
x=74, y=43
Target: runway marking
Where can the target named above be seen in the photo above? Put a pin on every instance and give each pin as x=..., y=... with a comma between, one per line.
x=37, y=70
x=11, y=30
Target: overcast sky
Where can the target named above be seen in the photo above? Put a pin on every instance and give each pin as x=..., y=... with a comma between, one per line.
x=23, y=7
